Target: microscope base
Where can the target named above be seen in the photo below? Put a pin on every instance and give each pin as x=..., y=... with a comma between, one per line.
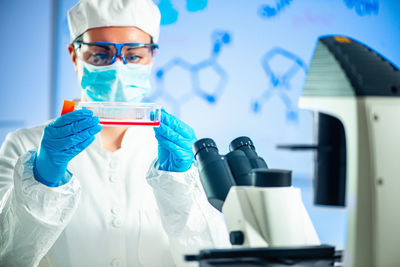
x=323, y=255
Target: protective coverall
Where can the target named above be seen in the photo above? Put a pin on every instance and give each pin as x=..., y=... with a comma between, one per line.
x=118, y=209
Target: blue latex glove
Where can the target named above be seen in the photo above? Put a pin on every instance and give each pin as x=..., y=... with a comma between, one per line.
x=175, y=141
x=62, y=140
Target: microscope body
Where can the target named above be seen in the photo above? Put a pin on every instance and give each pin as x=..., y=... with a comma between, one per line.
x=355, y=93
x=372, y=176
x=268, y=217
x=260, y=206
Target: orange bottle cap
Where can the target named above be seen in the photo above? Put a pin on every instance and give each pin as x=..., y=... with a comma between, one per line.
x=68, y=107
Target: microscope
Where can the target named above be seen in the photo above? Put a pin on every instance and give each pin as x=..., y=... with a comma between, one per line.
x=264, y=213
x=260, y=205
x=354, y=94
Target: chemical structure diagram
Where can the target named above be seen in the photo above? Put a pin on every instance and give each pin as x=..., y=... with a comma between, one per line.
x=363, y=7
x=209, y=66
x=280, y=82
x=169, y=14
x=269, y=11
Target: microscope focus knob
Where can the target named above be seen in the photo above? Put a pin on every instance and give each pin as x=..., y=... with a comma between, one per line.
x=236, y=237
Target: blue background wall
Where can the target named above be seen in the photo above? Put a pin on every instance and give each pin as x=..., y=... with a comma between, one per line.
x=25, y=73
x=228, y=68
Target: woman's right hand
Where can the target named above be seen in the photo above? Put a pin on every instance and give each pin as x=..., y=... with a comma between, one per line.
x=62, y=140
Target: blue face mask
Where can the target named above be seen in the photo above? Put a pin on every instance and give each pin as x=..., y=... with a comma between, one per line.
x=116, y=82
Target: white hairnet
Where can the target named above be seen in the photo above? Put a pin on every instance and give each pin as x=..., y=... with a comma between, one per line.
x=87, y=14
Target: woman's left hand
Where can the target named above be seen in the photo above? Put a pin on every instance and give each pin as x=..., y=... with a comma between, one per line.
x=175, y=141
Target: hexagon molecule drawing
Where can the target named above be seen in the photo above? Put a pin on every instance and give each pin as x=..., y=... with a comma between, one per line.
x=170, y=15
x=267, y=11
x=280, y=81
x=363, y=7
x=208, y=68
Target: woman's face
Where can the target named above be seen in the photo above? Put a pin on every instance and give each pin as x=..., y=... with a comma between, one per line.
x=112, y=35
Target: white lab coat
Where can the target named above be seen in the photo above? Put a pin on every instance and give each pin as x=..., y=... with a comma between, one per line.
x=109, y=214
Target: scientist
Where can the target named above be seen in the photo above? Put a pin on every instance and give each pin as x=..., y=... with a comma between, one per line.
x=73, y=193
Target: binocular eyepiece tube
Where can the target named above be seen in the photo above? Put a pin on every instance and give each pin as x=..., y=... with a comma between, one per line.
x=240, y=167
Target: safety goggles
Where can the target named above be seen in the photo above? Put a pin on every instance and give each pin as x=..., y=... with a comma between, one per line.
x=105, y=53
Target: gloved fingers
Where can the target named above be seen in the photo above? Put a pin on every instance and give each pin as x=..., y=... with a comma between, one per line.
x=177, y=125
x=179, y=159
x=173, y=147
x=78, y=138
x=71, y=117
x=180, y=165
x=73, y=128
x=168, y=134
x=78, y=148
x=63, y=144
x=170, y=130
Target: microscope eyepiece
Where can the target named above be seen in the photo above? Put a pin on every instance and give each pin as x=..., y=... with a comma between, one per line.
x=239, y=142
x=246, y=145
x=202, y=144
x=215, y=175
x=240, y=167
